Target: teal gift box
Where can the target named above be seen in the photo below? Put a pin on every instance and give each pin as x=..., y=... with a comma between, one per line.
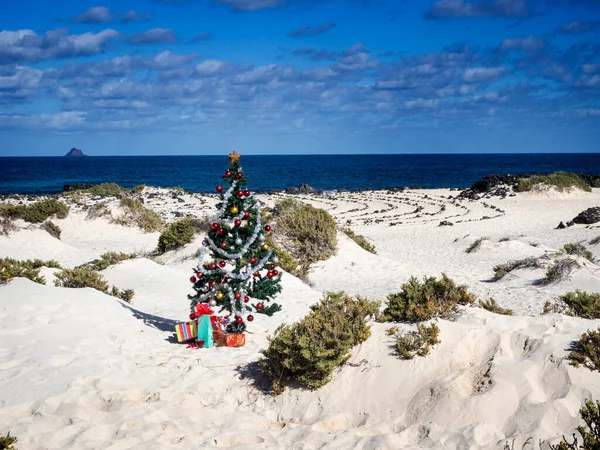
x=205, y=331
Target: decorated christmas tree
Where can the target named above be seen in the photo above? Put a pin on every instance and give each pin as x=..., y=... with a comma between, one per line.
x=241, y=274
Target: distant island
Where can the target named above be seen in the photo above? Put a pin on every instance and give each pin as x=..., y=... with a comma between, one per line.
x=74, y=152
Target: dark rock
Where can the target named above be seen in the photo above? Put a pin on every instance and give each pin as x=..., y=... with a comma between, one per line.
x=570, y=224
x=74, y=152
x=306, y=189
x=292, y=190
x=590, y=215
x=77, y=186
x=445, y=223
x=561, y=226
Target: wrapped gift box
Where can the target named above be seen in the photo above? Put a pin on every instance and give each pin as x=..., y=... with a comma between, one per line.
x=229, y=339
x=186, y=331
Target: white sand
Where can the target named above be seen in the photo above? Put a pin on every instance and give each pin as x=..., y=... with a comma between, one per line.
x=82, y=370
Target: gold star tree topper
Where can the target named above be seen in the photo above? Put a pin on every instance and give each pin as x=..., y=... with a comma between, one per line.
x=234, y=157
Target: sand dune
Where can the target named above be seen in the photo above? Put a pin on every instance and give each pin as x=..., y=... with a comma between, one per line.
x=82, y=370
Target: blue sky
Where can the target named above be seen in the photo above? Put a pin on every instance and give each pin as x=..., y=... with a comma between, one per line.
x=299, y=76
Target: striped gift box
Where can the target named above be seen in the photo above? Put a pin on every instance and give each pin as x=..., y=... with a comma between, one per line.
x=186, y=331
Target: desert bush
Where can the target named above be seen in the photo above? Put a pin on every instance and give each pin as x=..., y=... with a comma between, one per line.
x=11, y=268
x=491, y=306
x=6, y=442
x=126, y=294
x=590, y=433
x=578, y=249
x=138, y=189
x=502, y=270
x=561, y=180
x=476, y=245
x=360, y=240
x=427, y=300
x=106, y=189
x=6, y=226
x=108, y=259
x=308, y=233
x=595, y=241
x=176, y=235
x=586, y=350
x=81, y=277
x=36, y=212
x=53, y=229
x=576, y=304
x=98, y=210
x=419, y=342
x=144, y=218
x=307, y=352
x=559, y=271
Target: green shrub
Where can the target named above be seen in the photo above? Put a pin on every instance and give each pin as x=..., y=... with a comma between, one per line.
x=307, y=352
x=580, y=250
x=126, y=294
x=559, y=271
x=576, y=304
x=53, y=229
x=6, y=442
x=360, y=240
x=587, y=350
x=138, y=189
x=136, y=213
x=98, y=210
x=109, y=259
x=491, y=306
x=423, y=301
x=37, y=212
x=561, y=180
x=81, y=277
x=11, y=268
x=417, y=343
x=476, y=245
x=308, y=233
x=176, y=235
x=590, y=434
x=106, y=189
x=501, y=270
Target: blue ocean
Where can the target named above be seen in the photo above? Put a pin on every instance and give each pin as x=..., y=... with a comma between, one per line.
x=327, y=172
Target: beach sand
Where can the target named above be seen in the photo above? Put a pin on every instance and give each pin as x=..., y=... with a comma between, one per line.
x=82, y=370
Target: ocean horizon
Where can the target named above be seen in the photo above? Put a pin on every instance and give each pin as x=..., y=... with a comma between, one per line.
x=201, y=173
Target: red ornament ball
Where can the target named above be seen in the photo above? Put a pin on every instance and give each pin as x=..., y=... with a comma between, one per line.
x=237, y=223
x=238, y=175
x=246, y=299
x=238, y=320
x=250, y=318
x=221, y=263
x=269, y=274
x=272, y=266
x=240, y=194
x=246, y=214
x=267, y=228
x=256, y=274
x=192, y=279
x=220, y=231
x=199, y=275
x=192, y=316
x=253, y=260
x=219, y=188
x=215, y=226
x=213, y=266
x=247, y=193
x=275, y=273
x=223, y=245
x=260, y=306
x=212, y=283
x=228, y=173
x=237, y=295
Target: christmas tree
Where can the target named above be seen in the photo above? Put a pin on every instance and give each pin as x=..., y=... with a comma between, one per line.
x=240, y=256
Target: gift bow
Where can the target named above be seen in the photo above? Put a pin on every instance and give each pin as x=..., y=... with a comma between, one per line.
x=202, y=309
